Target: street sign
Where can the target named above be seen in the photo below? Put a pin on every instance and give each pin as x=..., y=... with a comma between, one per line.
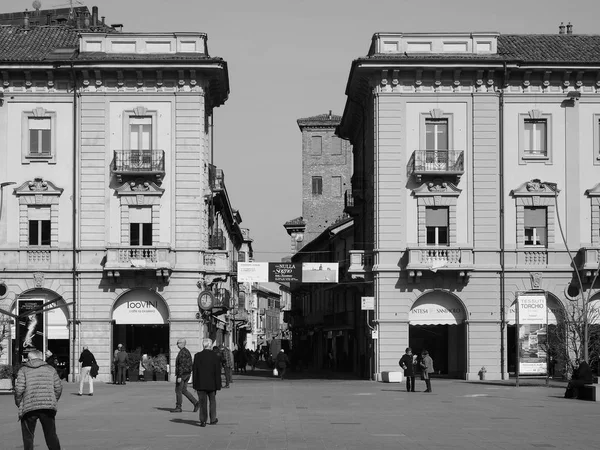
x=367, y=303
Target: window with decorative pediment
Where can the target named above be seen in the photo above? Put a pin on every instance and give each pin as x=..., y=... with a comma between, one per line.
x=535, y=214
x=140, y=212
x=535, y=137
x=38, y=138
x=596, y=150
x=38, y=213
x=436, y=203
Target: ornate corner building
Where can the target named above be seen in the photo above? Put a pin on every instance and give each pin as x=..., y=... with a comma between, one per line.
x=473, y=149
x=117, y=214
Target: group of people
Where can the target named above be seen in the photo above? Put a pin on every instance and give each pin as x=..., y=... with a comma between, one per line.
x=412, y=365
x=205, y=372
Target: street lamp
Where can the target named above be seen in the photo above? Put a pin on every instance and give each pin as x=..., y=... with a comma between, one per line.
x=2, y=185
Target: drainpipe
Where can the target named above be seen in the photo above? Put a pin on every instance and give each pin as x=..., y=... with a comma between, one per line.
x=74, y=225
x=501, y=182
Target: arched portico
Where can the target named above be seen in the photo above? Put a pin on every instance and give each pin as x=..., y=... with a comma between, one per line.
x=140, y=320
x=437, y=323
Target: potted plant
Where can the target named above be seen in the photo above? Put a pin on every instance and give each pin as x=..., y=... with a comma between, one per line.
x=133, y=366
x=6, y=377
x=149, y=369
x=161, y=366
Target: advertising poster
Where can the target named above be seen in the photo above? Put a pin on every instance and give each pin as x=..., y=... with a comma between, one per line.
x=533, y=330
x=31, y=326
x=253, y=272
x=285, y=272
x=320, y=272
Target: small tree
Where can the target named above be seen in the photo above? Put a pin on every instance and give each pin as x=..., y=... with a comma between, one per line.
x=4, y=332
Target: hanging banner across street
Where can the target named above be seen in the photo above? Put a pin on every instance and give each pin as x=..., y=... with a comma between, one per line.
x=263, y=272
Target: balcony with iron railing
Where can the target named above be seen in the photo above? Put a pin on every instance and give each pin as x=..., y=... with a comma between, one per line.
x=351, y=205
x=125, y=258
x=138, y=162
x=361, y=263
x=216, y=178
x=436, y=163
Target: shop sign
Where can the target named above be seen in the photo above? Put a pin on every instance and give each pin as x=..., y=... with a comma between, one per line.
x=532, y=319
x=253, y=272
x=134, y=310
x=532, y=308
x=288, y=272
x=367, y=303
x=437, y=310
x=285, y=272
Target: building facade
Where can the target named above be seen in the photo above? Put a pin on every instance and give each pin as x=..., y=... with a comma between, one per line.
x=475, y=153
x=111, y=210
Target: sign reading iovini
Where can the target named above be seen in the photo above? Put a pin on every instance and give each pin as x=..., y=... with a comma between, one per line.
x=288, y=272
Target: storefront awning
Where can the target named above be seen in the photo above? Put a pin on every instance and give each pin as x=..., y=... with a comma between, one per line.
x=437, y=308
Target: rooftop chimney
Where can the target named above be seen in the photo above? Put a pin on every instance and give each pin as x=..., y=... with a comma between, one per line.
x=48, y=19
x=103, y=17
x=330, y=114
x=26, y=20
x=561, y=28
x=569, y=28
x=94, y=16
x=86, y=19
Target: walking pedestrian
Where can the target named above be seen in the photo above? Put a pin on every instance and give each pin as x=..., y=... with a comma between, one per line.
x=282, y=362
x=87, y=360
x=406, y=362
x=227, y=358
x=121, y=362
x=183, y=372
x=207, y=381
x=37, y=391
x=426, y=369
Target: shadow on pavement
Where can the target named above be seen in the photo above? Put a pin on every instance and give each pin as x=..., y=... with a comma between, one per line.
x=163, y=409
x=296, y=375
x=186, y=421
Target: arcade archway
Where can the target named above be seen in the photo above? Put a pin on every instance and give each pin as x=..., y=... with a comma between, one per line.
x=437, y=324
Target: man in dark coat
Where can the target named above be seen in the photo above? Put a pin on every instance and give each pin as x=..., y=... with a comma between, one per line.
x=37, y=390
x=183, y=372
x=121, y=362
x=87, y=361
x=281, y=362
x=207, y=380
x=406, y=362
x=582, y=375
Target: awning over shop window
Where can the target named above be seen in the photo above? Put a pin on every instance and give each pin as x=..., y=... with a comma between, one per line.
x=140, y=306
x=437, y=308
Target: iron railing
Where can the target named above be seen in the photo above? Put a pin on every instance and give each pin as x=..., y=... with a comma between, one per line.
x=437, y=162
x=139, y=161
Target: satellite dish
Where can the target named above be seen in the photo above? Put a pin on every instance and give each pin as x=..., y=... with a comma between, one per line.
x=36, y=4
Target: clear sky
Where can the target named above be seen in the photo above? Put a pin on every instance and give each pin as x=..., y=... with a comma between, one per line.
x=290, y=59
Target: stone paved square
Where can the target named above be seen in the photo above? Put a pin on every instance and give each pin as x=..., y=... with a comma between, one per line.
x=260, y=412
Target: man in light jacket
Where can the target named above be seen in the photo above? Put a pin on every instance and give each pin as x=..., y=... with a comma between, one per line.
x=37, y=390
x=427, y=369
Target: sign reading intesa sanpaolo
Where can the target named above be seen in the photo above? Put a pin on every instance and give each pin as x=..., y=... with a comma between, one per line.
x=262, y=272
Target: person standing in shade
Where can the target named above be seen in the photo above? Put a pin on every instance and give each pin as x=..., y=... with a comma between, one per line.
x=37, y=391
x=51, y=359
x=183, y=372
x=87, y=360
x=282, y=362
x=207, y=381
x=427, y=369
x=115, y=353
x=582, y=375
x=121, y=363
x=227, y=358
x=406, y=362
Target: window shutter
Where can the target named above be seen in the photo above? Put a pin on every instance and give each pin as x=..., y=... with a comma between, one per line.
x=140, y=214
x=436, y=217
x=535, y=217
x=38, y=213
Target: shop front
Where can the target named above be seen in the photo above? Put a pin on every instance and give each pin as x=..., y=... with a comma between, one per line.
x=437, y=324
x=140, y=320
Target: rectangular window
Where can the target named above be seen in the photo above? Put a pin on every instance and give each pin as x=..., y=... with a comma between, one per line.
x=140, y=225
x=140, y=133
x=436, y=134
x=39, y=225
x=336, y=186
x=242, y=256
x=535, y=137
x=316, y=145
x=436, y=222
x=317, y=185
x=336, y=146
x=40, y=135
x=536, y=226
